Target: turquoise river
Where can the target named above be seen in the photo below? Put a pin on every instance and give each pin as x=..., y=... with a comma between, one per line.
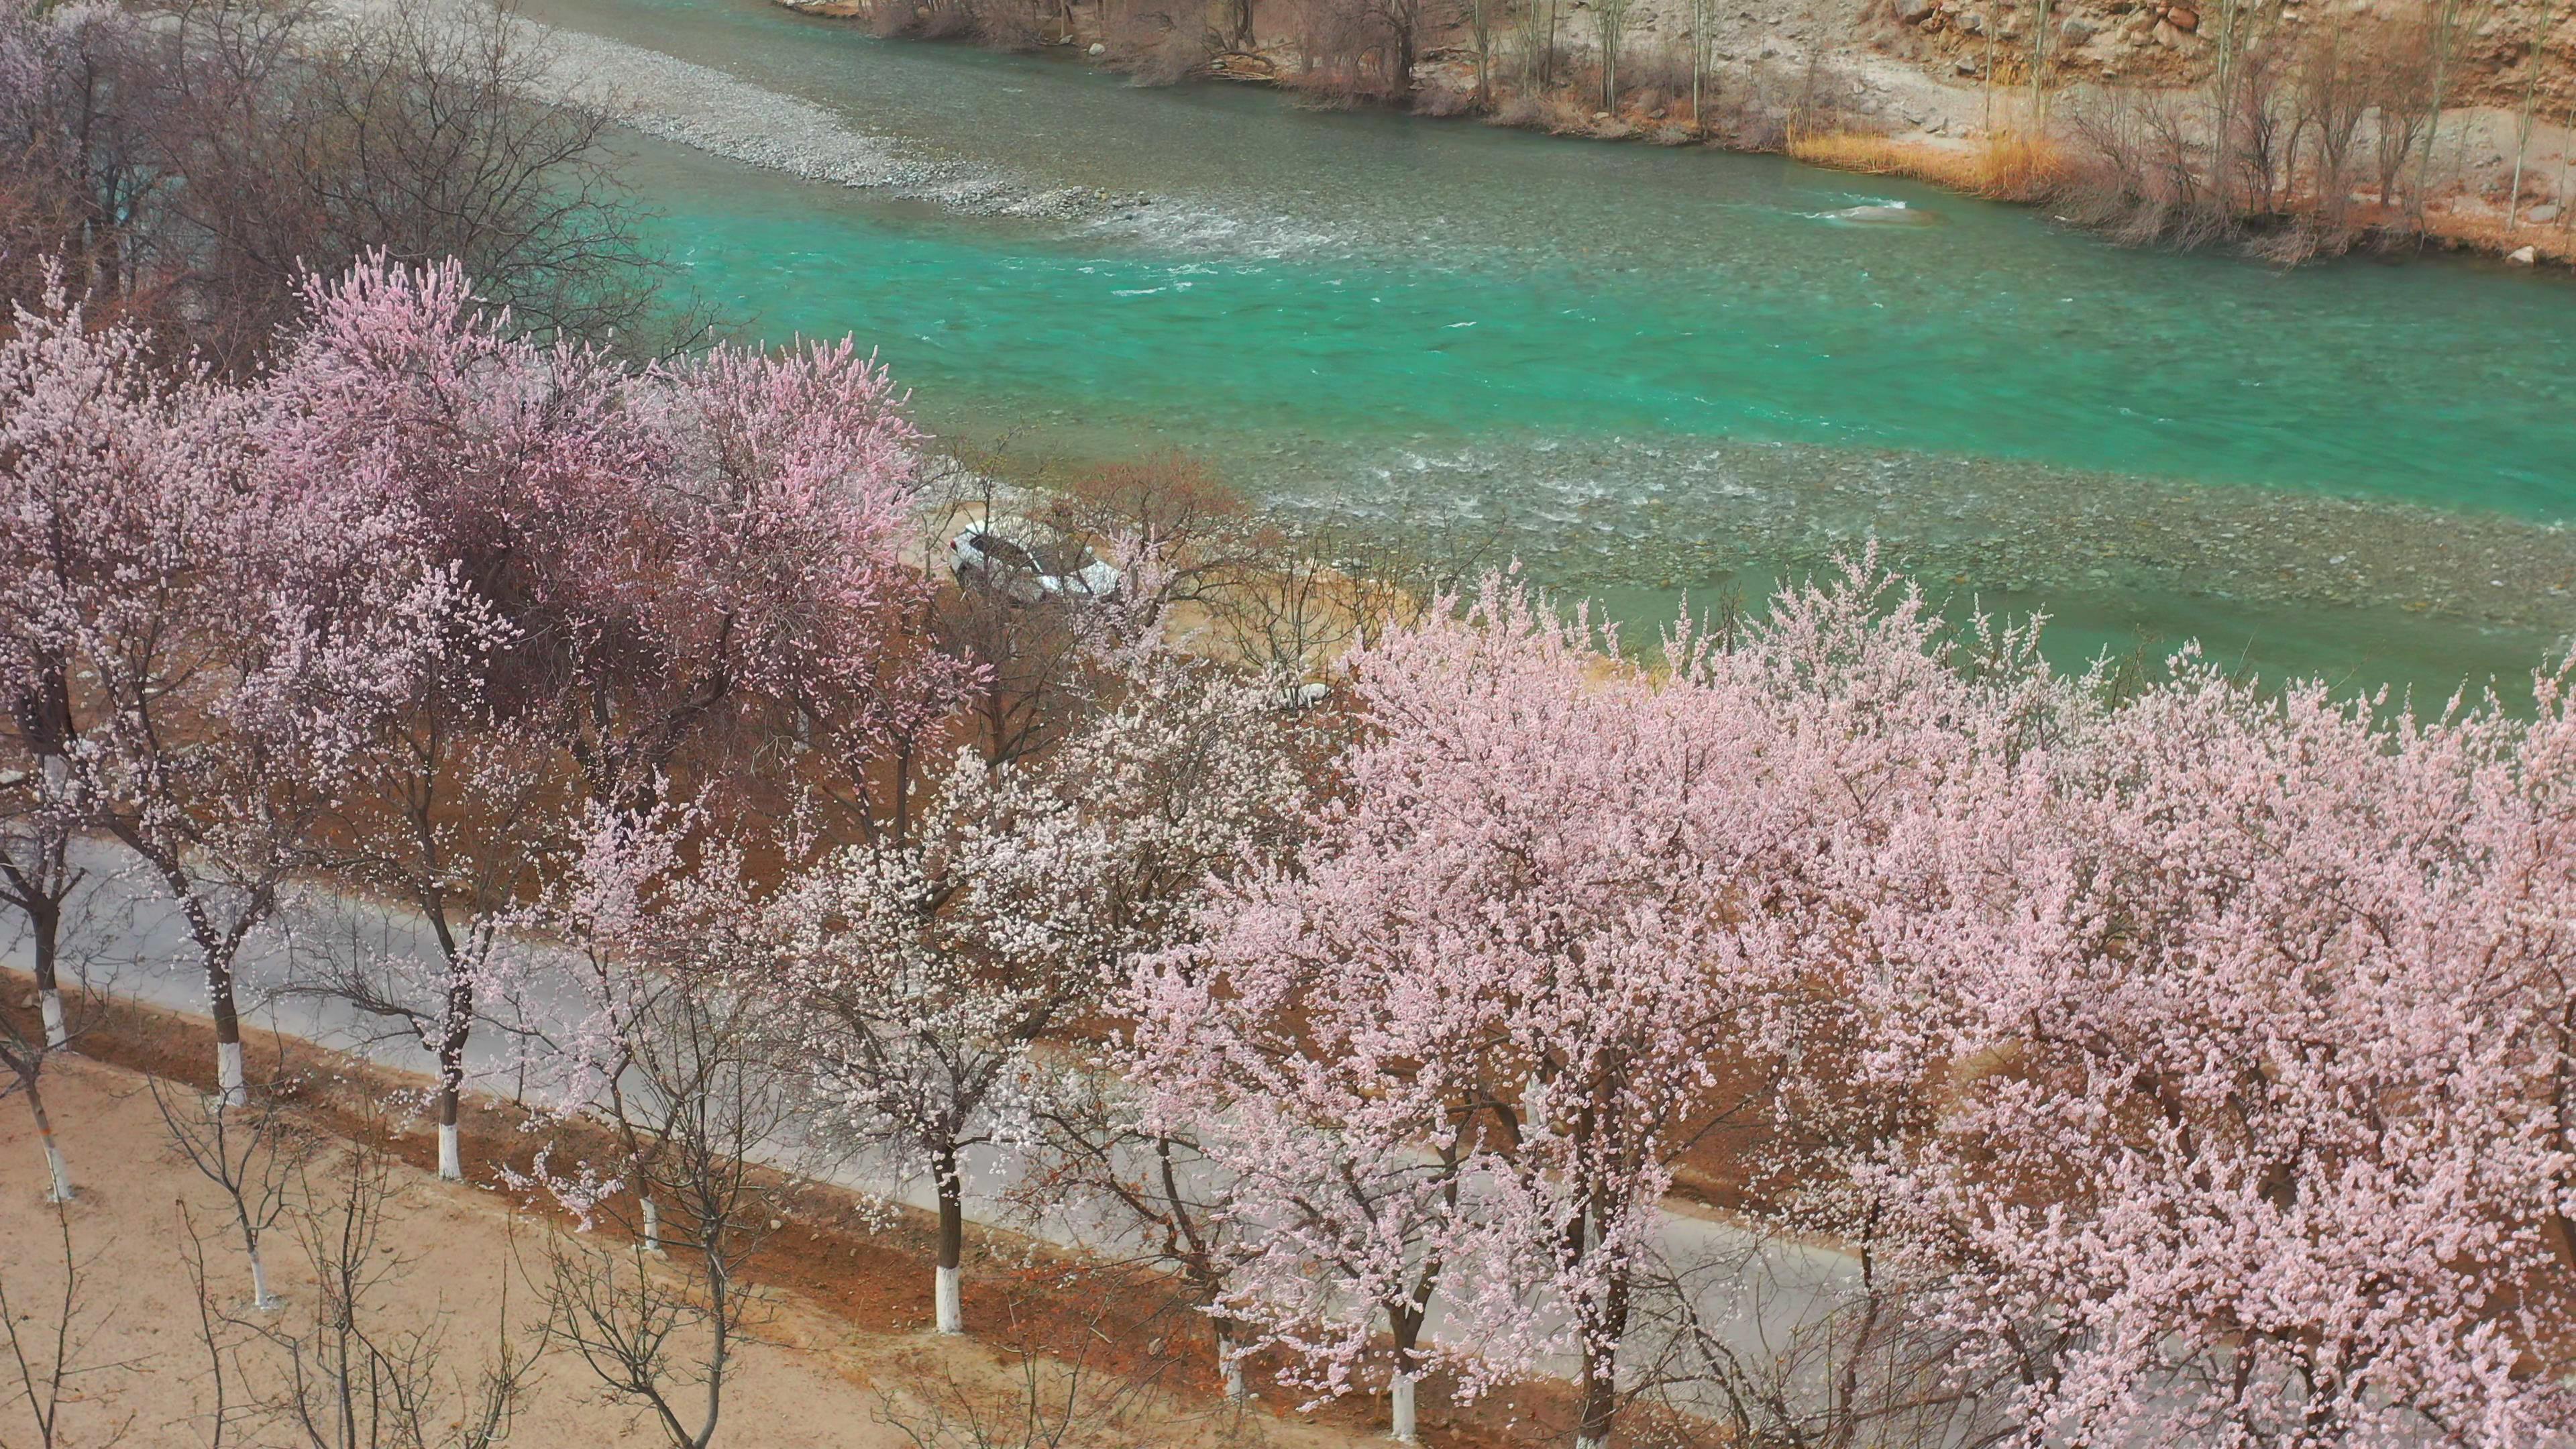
x=1646, y=371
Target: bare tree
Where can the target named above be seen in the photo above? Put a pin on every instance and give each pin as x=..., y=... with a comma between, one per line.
x=354, y=1376
x=1353, y=50
x=424, y=133
x=1702, y=12
x=1610, y=32
x=2449, y=27
x=2403, y=101
x=657, y=1309
x=1774, y=1341
x=1484, y=17
x=251, y=1150
x=196, y=164
x=29, y=1047
x=81, y=174
x=2331, y=96
x=669, y=1059
x=2526, y=111
x=47, y=1339
x=1538, y=44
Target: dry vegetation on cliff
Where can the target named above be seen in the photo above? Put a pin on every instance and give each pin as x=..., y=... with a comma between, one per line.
x=2292, y=127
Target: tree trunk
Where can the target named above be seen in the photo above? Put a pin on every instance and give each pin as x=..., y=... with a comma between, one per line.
x=451, y=1084
x=451, y=1161
x=230, y=1082
x=54, y=1165
x=42, y=898
x=261, y=1300
x=1230, y=1363
x=951, y=1313
x=1600, y=1382
x=652, y=1222
x=44, y=923
x=1407, y=1327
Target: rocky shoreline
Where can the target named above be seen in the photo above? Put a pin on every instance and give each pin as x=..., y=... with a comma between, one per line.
x=1917, y=92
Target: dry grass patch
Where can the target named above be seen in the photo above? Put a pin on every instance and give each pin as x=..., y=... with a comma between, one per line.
x=2012, y=167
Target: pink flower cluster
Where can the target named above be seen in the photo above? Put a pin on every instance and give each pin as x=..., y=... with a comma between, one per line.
x=2203, y=1052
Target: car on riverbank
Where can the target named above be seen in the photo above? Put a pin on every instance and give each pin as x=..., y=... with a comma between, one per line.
x=1028, y=564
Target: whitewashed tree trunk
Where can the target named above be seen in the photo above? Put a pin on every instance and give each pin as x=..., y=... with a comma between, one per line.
x=1585, y=1441
x=944, y=1294
x=54, y=1165
x=1237, y=1390
x=652, y=1224
x=232, y=1084
x=1400, y=1404
x=451, y=1160
x=62, y=1189
x=261, y=1300
x=58, y=787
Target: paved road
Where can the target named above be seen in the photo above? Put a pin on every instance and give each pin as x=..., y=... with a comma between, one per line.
x=128, y=938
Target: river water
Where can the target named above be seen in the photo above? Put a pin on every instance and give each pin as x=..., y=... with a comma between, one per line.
x=1648, y=372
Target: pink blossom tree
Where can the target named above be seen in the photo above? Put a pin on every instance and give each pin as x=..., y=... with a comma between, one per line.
x=1456, y=1050
x=201, y=641
x=694, y=561
x=1343, y=1167
x=1559, y=921
x=1098, y=854
x=914, y=1044
x=2255, y=1029
x=85, y=431
x=667, y=1048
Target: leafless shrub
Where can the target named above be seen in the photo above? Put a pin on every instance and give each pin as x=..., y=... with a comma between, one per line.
x=949, y=21
x=252, y=1150
x=2141, y=174
x=657, y=1306
x=1170, y=515
x=210, y=157
x=1766, y=1341
x=1011, y=25
x=45, y=1325
x=1351, y=51
x=1163, y=50
x=1443, y=101
x=1657, y=77
x=2267, y=153
x=1313, y=590
x=353, y=1376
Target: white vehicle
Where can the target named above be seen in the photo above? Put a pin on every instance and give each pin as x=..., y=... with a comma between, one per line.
x=1027, y=564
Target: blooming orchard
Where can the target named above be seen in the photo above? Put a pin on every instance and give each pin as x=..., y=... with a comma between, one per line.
x=2197, y=1061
